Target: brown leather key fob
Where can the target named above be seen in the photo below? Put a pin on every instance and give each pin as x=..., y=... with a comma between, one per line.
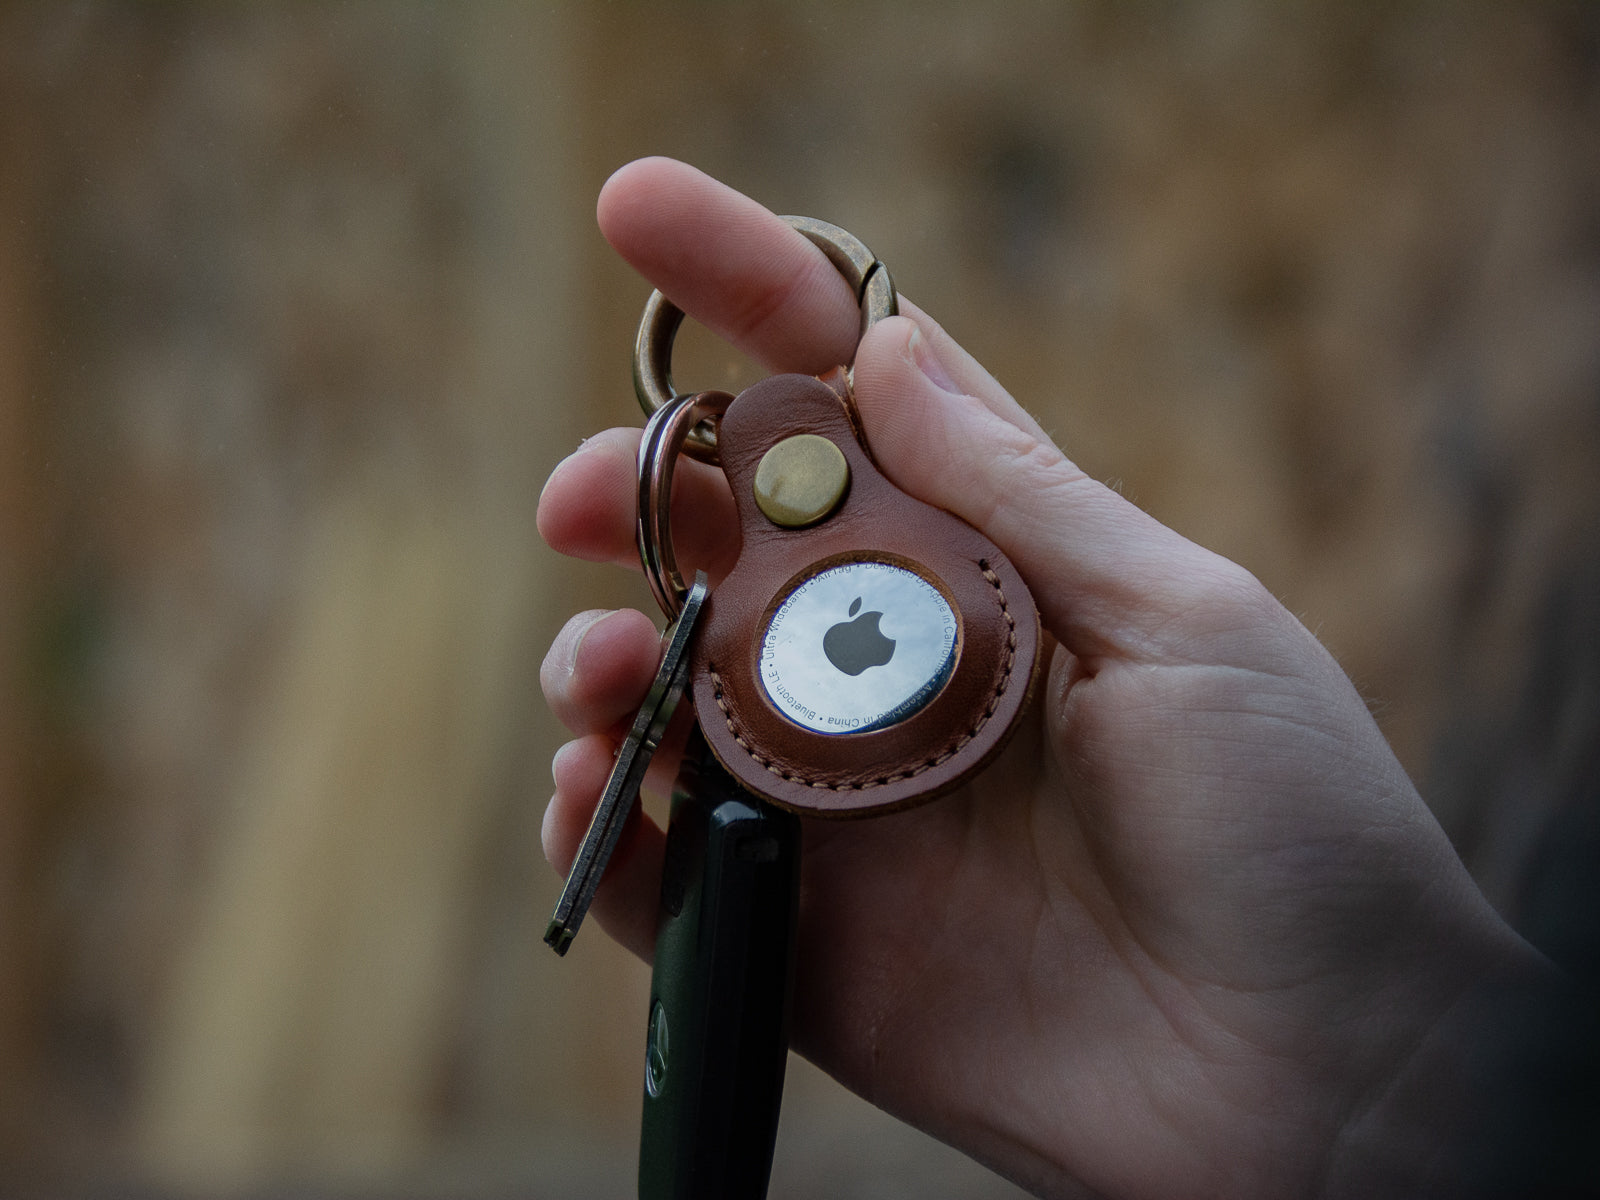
x=867, y=651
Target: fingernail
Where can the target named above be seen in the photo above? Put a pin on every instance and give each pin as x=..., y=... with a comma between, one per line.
x=928, y=363
x=565, y=750
x=585, y=446
x=595, y=616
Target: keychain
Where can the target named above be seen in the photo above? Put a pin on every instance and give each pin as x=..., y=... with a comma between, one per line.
x=867, y=652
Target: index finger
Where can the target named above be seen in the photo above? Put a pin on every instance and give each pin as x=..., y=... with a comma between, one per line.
x=731, y=264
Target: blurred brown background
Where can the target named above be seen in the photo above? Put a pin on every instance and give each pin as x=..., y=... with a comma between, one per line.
x=300, y=304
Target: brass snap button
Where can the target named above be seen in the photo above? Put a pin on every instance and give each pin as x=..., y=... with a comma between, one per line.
x=801, y=480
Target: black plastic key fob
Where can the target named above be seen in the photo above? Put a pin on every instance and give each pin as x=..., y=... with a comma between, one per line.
x=718, y=1031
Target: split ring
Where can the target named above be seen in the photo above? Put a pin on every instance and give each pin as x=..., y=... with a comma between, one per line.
x=664, y=436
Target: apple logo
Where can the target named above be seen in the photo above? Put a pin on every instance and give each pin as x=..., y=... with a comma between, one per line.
x=853, y=646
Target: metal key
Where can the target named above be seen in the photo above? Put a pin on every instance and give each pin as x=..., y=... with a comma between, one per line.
x=627, y=773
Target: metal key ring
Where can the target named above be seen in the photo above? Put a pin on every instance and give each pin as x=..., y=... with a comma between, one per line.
x=652, y=348
x=664, y=436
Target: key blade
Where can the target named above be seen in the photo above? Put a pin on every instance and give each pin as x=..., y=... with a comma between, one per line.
x=605, y=828
x=627, y=775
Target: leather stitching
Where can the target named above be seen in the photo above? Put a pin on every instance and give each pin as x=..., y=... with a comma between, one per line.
x=938, y=760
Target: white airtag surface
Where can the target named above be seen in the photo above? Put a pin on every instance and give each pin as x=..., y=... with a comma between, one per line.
x=858, y=647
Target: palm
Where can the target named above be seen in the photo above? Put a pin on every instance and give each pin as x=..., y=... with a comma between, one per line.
x=1134, y=950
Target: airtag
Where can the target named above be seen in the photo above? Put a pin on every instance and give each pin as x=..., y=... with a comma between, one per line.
x=857, y=647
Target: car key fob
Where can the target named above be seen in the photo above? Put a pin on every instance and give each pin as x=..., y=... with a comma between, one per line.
x=717, y=1037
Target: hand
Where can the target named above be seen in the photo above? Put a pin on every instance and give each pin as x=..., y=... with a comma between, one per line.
x=1194, y=930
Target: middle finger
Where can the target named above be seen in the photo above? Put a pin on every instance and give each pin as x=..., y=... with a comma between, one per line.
x=589, y=507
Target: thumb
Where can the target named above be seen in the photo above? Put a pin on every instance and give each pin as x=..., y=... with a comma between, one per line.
x=1109, y=579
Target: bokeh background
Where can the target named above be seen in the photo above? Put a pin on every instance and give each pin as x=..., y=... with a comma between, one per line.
x=300, y=304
